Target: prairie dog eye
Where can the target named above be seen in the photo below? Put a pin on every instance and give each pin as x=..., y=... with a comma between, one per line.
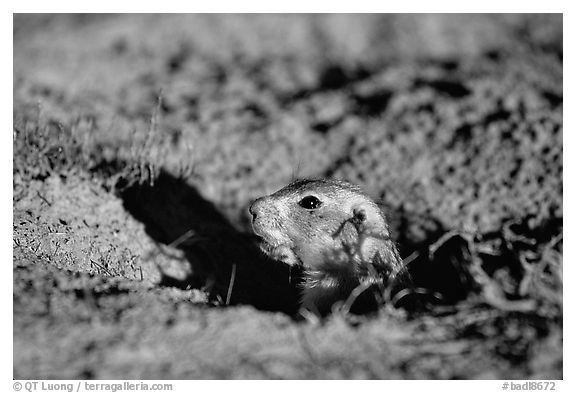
x=310, y=202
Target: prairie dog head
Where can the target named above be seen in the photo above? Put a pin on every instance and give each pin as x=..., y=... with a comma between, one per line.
x=306, y=220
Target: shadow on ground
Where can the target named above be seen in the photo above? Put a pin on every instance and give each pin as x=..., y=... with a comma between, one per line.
x=223, y=261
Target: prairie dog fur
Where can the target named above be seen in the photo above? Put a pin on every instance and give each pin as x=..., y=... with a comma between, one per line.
x=330, y=228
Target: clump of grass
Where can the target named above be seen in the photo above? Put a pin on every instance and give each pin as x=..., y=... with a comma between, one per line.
x=45, y=147
x=145, y=159
x=146, y=156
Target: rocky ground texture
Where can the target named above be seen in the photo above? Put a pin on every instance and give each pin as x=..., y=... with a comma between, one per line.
x=140, y=141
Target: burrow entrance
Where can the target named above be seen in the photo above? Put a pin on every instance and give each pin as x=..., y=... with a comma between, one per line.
x=229, y=265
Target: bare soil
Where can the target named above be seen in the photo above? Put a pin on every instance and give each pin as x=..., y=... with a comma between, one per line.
x=140, y=141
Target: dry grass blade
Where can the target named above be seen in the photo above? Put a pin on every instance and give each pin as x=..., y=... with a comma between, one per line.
x=231, y=285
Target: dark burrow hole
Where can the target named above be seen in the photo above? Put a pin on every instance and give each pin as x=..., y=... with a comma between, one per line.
x=216, y=252
x=439, y=276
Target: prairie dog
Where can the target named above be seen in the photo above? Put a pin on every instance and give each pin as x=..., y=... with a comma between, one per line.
x=330, y=228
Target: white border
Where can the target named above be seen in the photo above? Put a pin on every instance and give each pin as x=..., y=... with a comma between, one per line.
x=292, y=6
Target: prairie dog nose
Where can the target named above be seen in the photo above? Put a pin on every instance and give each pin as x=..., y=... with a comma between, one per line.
x=255, y=207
